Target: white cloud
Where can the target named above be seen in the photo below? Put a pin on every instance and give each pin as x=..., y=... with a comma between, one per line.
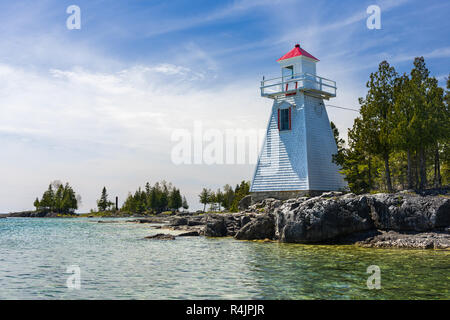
x=96, y=128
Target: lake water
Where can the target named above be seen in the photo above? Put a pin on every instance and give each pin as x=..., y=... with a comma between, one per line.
x=117, y=263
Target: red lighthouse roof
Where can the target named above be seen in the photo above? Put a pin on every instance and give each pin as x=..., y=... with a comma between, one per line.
x=297, y=51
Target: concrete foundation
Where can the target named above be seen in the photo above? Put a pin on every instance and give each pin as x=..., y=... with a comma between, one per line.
x=284, y=195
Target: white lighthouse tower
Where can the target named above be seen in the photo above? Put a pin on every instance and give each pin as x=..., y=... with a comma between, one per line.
x=296, y=157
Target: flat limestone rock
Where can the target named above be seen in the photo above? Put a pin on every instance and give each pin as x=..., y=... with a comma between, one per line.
x=422, y=240
x=161, y=236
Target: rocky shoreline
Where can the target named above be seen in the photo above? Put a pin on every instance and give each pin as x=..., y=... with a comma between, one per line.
x=401, y=220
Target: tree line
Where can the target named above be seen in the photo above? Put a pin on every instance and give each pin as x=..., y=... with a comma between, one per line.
x=401, y=138
x=58, y=198
x=227, y=199
x=162, y=196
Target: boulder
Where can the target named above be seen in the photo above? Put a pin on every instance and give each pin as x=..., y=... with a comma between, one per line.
x=321, y=219
x=215, y=227
x=263, y=227
x=179, y=221
x=244, y=220
x=245, y=202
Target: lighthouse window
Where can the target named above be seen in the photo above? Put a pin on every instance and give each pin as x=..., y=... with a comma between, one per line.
x=288, y=72
x=285, y=119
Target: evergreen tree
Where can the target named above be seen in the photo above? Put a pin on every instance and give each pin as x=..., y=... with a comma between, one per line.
x=103, y=203
x=402, y=134
x=219, y=198
x=69, y=202
x=58, y=199
x=204, y=197
x=47, y=201
x=148, y=198
x=377, y=115
x=240, y=192
x=154, y=198
x=164, y=198
x=409, y=135
x=175, y=200
x=228, y=196
x=339, y=142
x=37, y=204
x=63, y=201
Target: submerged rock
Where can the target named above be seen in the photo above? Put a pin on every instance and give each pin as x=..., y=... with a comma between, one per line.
x=189, y=234
x=111, y=221
x=161, y=236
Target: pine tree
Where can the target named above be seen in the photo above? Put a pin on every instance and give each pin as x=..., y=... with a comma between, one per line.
x=175, y=200
x=164, y=198
x=47, y=201
x=154, y=198
x=377, y=115
x=58, y=199
x=103, y=203
x=228, y=196
x=148, y=199
x=37, y=204
x=403, y=136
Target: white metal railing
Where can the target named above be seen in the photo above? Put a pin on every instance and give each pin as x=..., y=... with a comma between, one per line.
x=300, y=81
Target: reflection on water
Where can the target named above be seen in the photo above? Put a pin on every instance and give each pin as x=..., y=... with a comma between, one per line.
x=117, y=263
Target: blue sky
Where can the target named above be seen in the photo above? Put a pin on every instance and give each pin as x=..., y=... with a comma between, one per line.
x=97, y=106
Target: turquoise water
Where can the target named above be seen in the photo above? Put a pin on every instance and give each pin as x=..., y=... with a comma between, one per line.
x=117, y=263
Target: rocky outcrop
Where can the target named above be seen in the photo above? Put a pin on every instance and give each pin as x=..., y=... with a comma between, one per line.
x=263, y=227
x=404, y=212
x=33, y=214
x=381, y=220
x=245, y=202
x=215, y=227
x=322, y=218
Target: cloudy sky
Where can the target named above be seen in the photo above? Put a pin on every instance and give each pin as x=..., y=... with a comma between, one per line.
x=98, y=106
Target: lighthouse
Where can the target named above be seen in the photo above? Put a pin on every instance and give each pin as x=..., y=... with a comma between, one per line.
x=296, y=156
